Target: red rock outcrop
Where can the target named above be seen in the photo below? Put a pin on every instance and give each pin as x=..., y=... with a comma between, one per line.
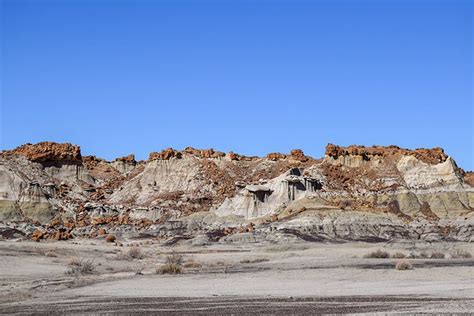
x=48, y=151
x=128, y=159
x=298, y=154
x=37, y=235
x=204, y=153
x=165, y=154
x=99, y=168
x=425, y=209
x=295, y=154
x=469, y=178
x=233, y=156
x=276, y=156
x=431, y=156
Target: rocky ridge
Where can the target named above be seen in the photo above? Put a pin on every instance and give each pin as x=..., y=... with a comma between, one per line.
x=50, y=191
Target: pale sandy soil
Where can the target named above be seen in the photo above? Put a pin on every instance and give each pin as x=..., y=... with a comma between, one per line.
x=289, y=278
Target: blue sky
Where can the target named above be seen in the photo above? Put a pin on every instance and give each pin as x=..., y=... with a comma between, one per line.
x=120, y=77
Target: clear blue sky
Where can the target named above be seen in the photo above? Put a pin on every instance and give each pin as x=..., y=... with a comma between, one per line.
x=120, y=77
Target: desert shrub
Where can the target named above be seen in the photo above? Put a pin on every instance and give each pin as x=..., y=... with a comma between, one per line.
x=80, y=266
x=192, y=264
x=461, y=254
x=286, y=247
x=173, y=264
x=399, y=255
x=74, y=261
x=169, y=269
x=174, y=258
x=423, y=255
x=437, y=255
x=135, y=253
x=380, y=254
x=51, y=254
x=254, y=260
x=403, y=265
x=345, y=204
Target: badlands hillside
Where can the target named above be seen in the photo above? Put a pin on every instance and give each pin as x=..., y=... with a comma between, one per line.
x=51, y=191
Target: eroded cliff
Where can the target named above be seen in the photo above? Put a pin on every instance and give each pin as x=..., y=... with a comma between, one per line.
x=352, y=193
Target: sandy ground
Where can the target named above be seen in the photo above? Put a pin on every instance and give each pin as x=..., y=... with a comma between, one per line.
x=297, y=278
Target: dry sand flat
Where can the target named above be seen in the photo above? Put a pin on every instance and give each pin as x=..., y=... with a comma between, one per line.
x=296, y=278
x=380, y=305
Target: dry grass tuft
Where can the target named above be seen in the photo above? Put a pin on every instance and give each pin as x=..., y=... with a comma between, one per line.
x=423, y=255
x=80, y=266
x=437, y=255
x=74, y=261
x=51, y=254
x=173, y=265
x=286, y=247
x=169, y=269
x=461, y=254
x=403, y=265
x=135, y=253
x=399, y=255
x=192, y=264
x=254, y=260
x=379, y=254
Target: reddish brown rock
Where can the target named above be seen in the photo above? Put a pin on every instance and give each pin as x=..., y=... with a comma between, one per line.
x=425, y=209
x=250, y=227
x=298, y=154
x=60, y=235
x=123, y=219
x=47, y=151
x=394, y=208
x=165, y=154
x=110, y=238
x=69, y=225
x=99, y=169
x=469, y=178
x=38, y=235
x=233, y=156
x=101, y=232
x=276, y=156
x=204, y=153
x=295, y=154
x=130, y=159
x=98, y=221
x=432, y=156
x=56, y=221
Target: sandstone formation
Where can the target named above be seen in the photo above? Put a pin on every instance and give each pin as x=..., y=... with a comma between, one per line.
x=50, y=191
x=47, y=151
x=166, y=154
x=432, y=156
